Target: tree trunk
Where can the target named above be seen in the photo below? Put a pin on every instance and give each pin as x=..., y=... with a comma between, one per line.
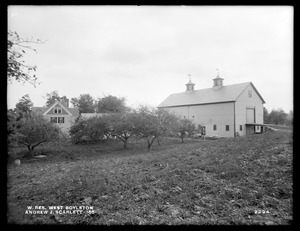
x=182, y=140
x=158, y=142
x=124, y=140
x=125, y=144
x=30, y=148
x=150, y=142
x=149, y=146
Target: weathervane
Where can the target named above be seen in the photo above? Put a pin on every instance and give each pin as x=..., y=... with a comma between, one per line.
x=218, y=71
x=189, y=76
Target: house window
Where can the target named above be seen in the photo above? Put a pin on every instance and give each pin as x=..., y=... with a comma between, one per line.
x=61, y=120
x=241, y=127
x=250, y=94
x=215, y=128
x=227, y=127
x=53, y=119
x=57, y=110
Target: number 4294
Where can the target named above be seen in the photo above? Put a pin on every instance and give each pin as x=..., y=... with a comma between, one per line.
x=261, y=211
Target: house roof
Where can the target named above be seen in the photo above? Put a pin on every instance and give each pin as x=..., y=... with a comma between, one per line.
x=74, y=111
x=43, y=110
x=226, y=93
x=90, y=115
x=39, y=110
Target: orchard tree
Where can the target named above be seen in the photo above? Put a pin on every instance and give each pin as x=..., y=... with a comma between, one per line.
x=111, y=104
x=147, y=125
x=184, y=128
x=17, y=48
x=168, y=122
x=171, y=124
x=85, y=103
x=121, y=126
x=78, y=130
x=35, y=130
x=94, y=128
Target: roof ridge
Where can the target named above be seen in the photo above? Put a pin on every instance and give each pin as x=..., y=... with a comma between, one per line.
x=211, y=87
x=226, y=85
x=207, y=95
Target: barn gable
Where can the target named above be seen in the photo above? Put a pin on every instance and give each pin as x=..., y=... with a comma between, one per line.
x=250, y=93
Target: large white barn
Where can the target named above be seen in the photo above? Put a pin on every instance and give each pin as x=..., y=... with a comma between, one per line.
x=225, y=111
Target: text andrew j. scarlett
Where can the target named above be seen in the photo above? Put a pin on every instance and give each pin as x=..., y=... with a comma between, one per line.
x=59, y=209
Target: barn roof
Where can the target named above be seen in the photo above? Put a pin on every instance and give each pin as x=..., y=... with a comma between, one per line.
x=228, y=93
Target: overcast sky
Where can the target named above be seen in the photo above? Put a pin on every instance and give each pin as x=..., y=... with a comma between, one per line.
x=145, y=53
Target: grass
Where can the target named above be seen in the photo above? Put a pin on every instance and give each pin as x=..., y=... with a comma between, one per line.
x=223, y=181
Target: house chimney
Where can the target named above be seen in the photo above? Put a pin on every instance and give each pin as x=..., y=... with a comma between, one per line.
x=65, y=102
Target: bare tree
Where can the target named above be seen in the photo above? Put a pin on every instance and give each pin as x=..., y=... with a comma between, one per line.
x=17, y=69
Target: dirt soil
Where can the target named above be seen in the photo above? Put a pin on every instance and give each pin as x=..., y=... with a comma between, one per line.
x=242, y=180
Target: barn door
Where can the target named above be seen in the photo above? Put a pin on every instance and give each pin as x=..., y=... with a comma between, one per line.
x=250, y=116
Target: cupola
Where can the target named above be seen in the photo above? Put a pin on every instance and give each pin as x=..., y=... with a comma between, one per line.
x=218, y=82
x=190, y=86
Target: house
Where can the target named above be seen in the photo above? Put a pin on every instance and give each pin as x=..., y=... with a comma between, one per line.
x=59, y=113
x=225, y=111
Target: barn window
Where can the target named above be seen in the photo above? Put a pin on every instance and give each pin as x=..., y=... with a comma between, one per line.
x=53, y=119
x=250, y=94
x=215, y=127
x=61, y=120
x=241, y=127
x=227, y=127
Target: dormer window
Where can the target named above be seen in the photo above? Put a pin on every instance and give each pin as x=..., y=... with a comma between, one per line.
x=57, y=110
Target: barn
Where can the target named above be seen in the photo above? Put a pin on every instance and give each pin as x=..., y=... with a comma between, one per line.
x=226, y=111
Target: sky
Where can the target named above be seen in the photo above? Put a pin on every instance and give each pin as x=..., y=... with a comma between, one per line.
x=145, y=53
